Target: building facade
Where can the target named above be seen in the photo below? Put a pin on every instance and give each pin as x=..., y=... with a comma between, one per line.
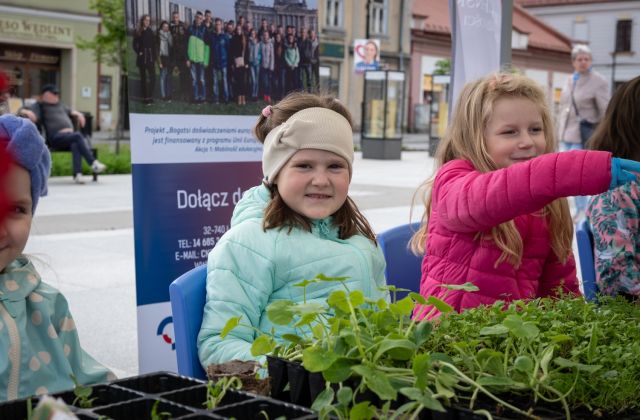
x=538, y=50
x=610, y=28
x=341, y=22
x=38, y=46
x=283, y=12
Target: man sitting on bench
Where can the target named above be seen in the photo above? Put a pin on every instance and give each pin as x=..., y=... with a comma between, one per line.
x=55, y=117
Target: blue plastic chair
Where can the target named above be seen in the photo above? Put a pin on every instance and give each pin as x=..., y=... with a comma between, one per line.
x=188, y=295
x=584, y=237
x=403, y=267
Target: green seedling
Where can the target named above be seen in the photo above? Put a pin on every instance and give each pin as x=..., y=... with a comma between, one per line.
x=82, y=394
x=216, y=391
x=155, y=415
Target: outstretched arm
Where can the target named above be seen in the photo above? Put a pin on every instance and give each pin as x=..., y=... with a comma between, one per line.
x=466, y=200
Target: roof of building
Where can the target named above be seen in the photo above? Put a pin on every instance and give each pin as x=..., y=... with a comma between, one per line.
x=541, y=35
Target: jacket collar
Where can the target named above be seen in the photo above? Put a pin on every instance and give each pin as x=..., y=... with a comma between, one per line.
x=17, y=281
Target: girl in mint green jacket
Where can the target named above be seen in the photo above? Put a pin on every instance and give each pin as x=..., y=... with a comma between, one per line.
x=298, y=224
x=39, y=345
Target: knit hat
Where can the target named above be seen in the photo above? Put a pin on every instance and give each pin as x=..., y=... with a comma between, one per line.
x=312, y=128
x=27, y=148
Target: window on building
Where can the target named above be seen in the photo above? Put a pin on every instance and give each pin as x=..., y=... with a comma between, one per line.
x=378, y=17
x=173, y=7
x=329, y=84
x=623, y=35
x=334, y=13
x=104, y=94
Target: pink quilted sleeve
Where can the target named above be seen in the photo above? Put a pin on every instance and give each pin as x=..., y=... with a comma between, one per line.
x=466, y=200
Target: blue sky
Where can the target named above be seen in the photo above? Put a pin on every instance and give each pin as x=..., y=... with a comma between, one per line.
x=224, y=9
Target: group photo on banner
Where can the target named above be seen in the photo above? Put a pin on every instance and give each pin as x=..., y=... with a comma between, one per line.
x=200, y=73
x=220, y=57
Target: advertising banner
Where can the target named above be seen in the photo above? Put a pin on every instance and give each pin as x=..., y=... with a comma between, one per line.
x=197, y=84
x=366, y=55
x=476, y=30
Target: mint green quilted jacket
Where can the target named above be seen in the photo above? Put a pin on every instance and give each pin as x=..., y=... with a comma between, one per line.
x=250, y=268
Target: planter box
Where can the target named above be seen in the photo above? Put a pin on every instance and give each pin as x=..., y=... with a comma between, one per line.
x=179, y=396
x=156, y=383
x=262, y=408
x=16, y=409
x=140, y=409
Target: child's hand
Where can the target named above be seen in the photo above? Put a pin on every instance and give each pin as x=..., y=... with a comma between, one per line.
x=622, y=171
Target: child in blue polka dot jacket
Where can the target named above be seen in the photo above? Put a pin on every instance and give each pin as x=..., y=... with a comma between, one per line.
x=39, y=345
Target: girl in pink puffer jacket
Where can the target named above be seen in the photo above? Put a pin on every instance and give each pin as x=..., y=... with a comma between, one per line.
x=496, y=215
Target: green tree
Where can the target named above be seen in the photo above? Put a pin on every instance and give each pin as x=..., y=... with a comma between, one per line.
x=109, y=47
x=443, y=67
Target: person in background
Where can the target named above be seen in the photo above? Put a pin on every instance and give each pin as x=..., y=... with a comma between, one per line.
x=165, y=44
x=198, y=57
x=298, y=223
x=40, y=344
x=220, y=52
x=208, y=71
x=277, y=87
x=584, y=97
x=496, y=213
x=614, y=216
x=254, y=64
x=306, y=55
x=56, y=119
x=239, y=54
x=315, y=60
x=146, y=49
x=266, y=66
x=179, y=57
x=291, y=62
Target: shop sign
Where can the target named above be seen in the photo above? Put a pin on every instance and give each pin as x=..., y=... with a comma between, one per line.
x=35, y=30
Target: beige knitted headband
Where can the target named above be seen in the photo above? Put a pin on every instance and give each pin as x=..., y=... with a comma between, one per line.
x=311, y=128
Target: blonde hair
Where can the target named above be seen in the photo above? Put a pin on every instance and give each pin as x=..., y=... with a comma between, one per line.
x=348, y=218
x=465, y=139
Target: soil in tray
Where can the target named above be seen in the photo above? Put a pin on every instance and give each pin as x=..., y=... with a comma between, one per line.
x=243, y=370
x=16, y=409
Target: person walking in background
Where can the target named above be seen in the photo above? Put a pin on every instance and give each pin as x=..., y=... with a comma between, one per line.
x=614, y=216
x=239, y=52
x=145, y=47
x=254, y=63
x=495, y=214
x=50, y=113
x=198, y=57
x=179, y=57
x=299, y=222
x=165, y=44
x=40, y=344
x=582, y=104
x=266, y=66
x=219, y=52
x=291, y=61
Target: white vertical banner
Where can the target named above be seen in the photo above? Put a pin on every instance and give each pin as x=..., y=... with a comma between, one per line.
x=475, y=32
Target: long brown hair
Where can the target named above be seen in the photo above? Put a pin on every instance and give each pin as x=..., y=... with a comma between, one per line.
x=141, y=27
x=465, y=139
x=348, y=218
x=618, y=131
